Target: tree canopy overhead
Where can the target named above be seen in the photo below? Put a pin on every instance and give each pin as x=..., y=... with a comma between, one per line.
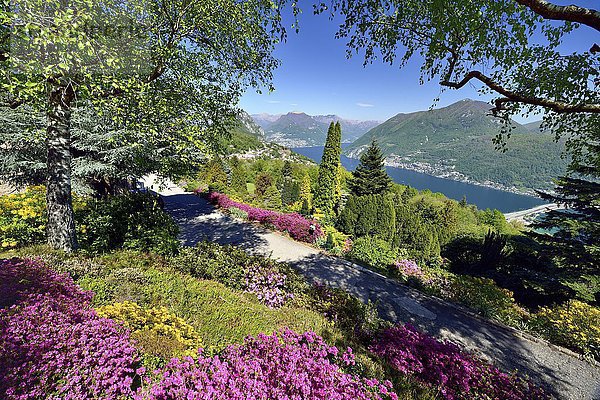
x=164, y=69
x=511, y=47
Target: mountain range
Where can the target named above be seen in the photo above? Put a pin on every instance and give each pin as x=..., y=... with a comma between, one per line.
x=297, y=129
x=249, y=126
x=457, y=142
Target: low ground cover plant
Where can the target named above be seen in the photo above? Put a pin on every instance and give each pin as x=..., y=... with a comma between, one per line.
x=159, y=334
x=272, y=282
x=52, y=342
x=573, y=324
x=229, y=366
x=286, y=365
x=71, y=351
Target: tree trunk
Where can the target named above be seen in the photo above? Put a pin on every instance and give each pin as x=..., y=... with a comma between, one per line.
x=59, y=205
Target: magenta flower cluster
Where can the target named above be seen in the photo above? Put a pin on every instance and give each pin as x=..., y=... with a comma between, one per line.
x=282, y=366
x=409, y=268
x=457, y=374
x=52, y=343
x=268, y=285
x=296, y=225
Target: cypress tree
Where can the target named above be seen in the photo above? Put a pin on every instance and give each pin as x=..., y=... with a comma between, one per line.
x=339, y=171
x=325, y=198
x=370, y=176
x=348, y=217
x=372, y=215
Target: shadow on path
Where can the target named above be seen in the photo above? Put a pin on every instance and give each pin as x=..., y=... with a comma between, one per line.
x=199, y=221
x=565, y=376
x=560, y=373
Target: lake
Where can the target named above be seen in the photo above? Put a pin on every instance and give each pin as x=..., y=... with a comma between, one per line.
x=482, y=197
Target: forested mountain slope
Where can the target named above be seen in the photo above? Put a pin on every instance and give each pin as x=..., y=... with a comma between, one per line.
x=456, y=142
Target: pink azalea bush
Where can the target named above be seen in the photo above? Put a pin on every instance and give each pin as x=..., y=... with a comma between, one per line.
x=296, y=225
x=282, y=366
x=268, y=285
x=52, y=342
x=459, y=375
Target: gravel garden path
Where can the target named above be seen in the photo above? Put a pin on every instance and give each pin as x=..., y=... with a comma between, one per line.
x=559, y=370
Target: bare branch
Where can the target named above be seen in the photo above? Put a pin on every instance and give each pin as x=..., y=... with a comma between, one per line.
x=572, y=13
x=511, y=96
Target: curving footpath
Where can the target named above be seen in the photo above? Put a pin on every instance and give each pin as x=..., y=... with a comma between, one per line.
x=562, y=372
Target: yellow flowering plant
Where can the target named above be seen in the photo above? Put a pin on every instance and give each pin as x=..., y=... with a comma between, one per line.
x=159, y=334
x=573, y=324
x=23, y=217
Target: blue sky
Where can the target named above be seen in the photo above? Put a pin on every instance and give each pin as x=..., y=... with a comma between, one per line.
x=317, y=78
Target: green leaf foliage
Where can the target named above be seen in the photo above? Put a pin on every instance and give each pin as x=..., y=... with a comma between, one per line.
x=373, y=252
x=502, y=45
x=169, y=73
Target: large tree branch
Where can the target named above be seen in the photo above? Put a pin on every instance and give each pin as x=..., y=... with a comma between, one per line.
x=572, y=13
x=512, y=96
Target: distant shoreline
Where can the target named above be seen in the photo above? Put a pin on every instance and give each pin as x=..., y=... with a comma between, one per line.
x=428, y=169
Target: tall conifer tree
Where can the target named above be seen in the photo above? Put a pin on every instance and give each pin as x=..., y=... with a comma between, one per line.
x=370, y=176
x=576, y=230
x=325, y=198
x=306, y=196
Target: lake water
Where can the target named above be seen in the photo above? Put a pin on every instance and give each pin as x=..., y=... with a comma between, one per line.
x=482, y=197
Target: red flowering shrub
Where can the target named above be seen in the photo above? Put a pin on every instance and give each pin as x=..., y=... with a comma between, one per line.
x=459, y=375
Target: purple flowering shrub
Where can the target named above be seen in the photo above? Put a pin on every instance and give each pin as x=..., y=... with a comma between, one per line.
x=409, y=268
x=459, y=375
x=20, y=279
x=296, y=225
x=53, y=344
x=282, y=366
x=268, y=285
